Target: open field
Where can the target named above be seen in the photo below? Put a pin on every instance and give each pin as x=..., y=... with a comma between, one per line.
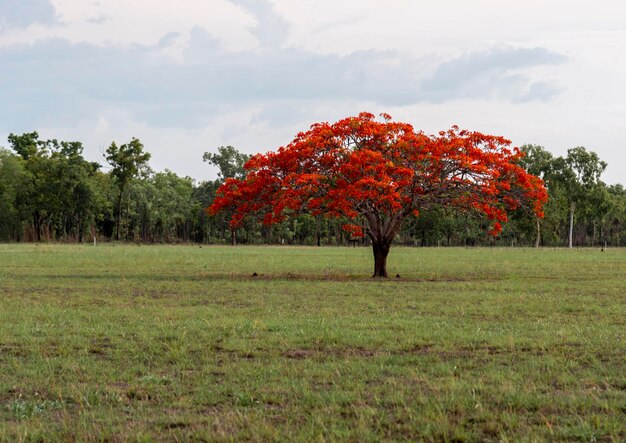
x=182, y=343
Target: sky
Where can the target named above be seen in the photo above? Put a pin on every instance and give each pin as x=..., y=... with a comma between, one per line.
x=188, y=76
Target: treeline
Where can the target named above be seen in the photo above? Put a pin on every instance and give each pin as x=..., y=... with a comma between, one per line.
x=50, y=192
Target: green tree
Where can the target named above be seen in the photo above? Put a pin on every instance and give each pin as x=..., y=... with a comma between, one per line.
x=76, y=199
x=26, y=145
x=127, y=161
x=105, y=195
x=616, y=217
x=596, y=208
x=579, y=173
x=207, y=229
x=229, y=161
x=58, y=195
x=172, y=205
x=14, y=181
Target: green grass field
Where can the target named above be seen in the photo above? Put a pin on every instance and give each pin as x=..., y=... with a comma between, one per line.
x=165, y=343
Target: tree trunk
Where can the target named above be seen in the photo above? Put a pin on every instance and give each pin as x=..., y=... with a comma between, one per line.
x=233, y=237
x=382, y=233
x=538, y=239
x=572, y=208
x=381, y=251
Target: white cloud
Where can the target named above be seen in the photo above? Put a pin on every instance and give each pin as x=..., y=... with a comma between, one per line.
x=17, y=14
x=190, y=75
x=144, y=22
x=496, y=73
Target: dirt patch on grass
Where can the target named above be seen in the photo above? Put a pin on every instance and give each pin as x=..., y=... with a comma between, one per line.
x=247, y=355
x=422, y=349
x=323, y=353
x=13, y=350
x=175, y=425
x=101, y=346
x=330, y=277
x=299, y=354
x=350, y=352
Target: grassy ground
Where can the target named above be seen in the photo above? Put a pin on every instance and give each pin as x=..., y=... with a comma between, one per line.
x=147, y=343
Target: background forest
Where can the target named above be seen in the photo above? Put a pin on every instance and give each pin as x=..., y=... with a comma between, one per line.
x=50, y=192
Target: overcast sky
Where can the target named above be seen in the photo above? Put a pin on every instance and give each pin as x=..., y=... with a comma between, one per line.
x=187, y=76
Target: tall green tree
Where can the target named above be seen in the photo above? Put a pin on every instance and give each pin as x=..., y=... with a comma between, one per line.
x=26, y=145
x=229, y=161
x=174, y=204
x=72, y=176
x=616, y=217
x=58, y=195
x=579, y=173
x=127, y=162
x=14, y=180
x=161, y=207
x=105, y=195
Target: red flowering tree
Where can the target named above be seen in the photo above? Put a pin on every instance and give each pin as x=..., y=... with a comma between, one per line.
x=378, y=173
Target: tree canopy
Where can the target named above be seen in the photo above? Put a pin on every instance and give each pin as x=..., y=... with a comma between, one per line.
x=229, y=161
x=127, y=162
x=378, y=173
